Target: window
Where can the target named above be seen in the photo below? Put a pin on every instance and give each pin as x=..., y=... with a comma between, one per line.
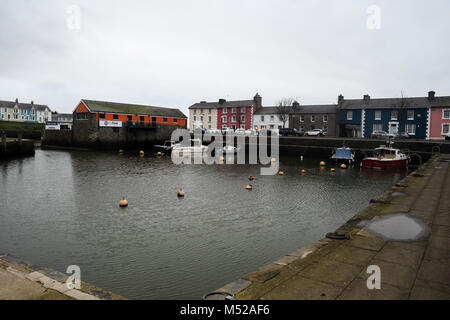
x=410, y=114
x=209, y=118
x=271, y=126
x=394, y=115
x=242, y=126
x=302, y=118
x=201, y=118
x=445, y=128
x=115, y=117
x=175, y=120
x=377, y=127
x=349, y=115
x=224, y=118
x=224, y=126
x=154, y=119
x=165, y=119
x=102, y=116
x=325, y=129
x=272, y=118
x=325, y=118
x=81, y=116
x=233, y=118
x=129, y=118
x=262, y=118
x=209, y=110
x=141, y=118
x=224, y=110
x=446, y=114
x=243, y=118
x=233, y=110
x=195, y=118
x=411, y=128
x=313, y=118
x=201, y=111
x=377, y=115
x=209, y=126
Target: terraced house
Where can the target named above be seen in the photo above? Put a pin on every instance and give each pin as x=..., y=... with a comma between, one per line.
x=24, y=112
x=223, y=114
x=361, y=117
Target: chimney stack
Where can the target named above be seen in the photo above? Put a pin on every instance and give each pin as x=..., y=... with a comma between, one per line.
x=222, y=101
x=431, y=95
x=366, y=97
x=296, y=105
x=17, y=100
x=340, y=98
x=257, y=102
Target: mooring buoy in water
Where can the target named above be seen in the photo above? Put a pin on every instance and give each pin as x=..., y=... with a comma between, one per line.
x=249, y=187
x=303, y=171
x=180, y=193
x=123, y=203
x=322, y=163
x=280, y=173
x=120, y=151
x=221, y=159
x=273, y=160
x=252, y=178
x=141, y=153
x=332, y=169
x=159, y=154
x=343, y=166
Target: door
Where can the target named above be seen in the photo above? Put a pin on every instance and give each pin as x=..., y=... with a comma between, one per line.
x=393, y=127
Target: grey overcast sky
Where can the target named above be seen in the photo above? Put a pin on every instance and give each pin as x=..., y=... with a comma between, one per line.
x=175, y=53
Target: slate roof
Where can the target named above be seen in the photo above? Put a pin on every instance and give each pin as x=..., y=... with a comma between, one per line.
x=226, y=104
x=26, y=106
x=393, y=103
x=137, y=109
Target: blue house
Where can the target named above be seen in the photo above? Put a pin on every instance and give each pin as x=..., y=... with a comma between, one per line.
x=361, y=117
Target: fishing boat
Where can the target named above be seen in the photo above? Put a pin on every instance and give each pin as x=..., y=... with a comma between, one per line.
x=343, y=155
x=386, y=157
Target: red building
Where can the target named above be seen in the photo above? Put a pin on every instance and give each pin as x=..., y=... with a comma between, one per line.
x=228, y=114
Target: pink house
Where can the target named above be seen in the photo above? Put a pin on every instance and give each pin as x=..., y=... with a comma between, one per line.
x=440, y=118
x=236, y=116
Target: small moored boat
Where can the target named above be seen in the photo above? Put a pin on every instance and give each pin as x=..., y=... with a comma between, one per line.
x=165, y=148
x=386, y=157
x=343, y=155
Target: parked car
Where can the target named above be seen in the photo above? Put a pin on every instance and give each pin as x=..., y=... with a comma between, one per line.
x=288, y=132
x=315, y=133
x=227, y=130
x=379, y=134
x=402, y=135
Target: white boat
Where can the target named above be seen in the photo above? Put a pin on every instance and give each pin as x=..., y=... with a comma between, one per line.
x=193, y=148
x=230, y=150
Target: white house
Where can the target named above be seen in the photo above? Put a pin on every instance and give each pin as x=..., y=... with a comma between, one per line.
x=24, y=112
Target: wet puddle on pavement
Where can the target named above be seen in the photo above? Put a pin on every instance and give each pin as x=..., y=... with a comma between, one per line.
x=397, y=227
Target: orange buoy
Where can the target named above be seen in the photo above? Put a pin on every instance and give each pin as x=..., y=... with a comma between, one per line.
x=123, y=203
x=303, y=171
x=332, y=169
x=141, y=153
x=249, y=187
x=180, y=193
x=343, y=166
x=322, y=163
x=280, y=173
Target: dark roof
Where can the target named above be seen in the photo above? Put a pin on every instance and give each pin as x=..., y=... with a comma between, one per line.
x=236, y=103
x=26, y=106
x=392, y=103
x=125, y=108
x=266, y=110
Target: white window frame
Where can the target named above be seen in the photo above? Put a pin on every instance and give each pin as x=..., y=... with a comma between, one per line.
x=375, y=125
x=408, y=115
x=233, y=110
x=377, y=112
x=409, y=126
x=443, y=114
x=325, y=118
x=209, y=118
x=442, y=128
x=272, y=117
x=233, y=118
x=195, y=117
x=349, y=115
x=242, y=126
x=224, y=110
x=302, y=118
x=301, y=128
x=262, y=118
x=242, y=117
x=394, y=115
x=313, y=118
x=224, y=118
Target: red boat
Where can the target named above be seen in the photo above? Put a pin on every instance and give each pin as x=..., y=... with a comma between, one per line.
x=385, y=158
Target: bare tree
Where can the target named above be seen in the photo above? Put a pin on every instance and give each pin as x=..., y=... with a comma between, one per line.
x=284, y=109
x=403, y=105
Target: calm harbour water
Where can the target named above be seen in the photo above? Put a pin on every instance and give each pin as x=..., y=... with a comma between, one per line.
x=60, y=208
